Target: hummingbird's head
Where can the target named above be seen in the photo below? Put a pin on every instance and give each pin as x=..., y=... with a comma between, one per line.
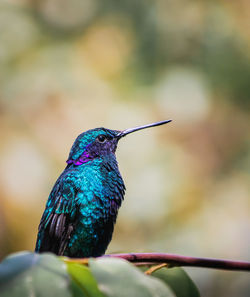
x=92, y=144
x=99, y=142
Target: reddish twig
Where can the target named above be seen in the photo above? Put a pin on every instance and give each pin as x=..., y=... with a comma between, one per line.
x=179, y=260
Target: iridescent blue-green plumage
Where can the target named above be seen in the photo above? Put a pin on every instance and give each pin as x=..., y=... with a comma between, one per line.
x=81, y=210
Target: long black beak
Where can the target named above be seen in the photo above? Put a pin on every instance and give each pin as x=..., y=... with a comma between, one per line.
x=131, y=130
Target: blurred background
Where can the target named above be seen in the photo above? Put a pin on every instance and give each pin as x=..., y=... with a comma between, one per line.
x=68, y=66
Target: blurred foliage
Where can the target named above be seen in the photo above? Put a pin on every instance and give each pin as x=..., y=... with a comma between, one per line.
x=68, y=66
x=26, y=274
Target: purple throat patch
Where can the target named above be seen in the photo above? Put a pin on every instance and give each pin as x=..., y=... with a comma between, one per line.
x=84, y=158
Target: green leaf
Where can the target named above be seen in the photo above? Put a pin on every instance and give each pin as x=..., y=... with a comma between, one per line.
x=119, y=278
x=28, y=274
x=179, y=281
x=84, y=283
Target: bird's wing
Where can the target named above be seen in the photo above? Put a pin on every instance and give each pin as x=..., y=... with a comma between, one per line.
x=57, y=223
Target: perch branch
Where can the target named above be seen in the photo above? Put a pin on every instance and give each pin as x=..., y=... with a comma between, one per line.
x=179, y=260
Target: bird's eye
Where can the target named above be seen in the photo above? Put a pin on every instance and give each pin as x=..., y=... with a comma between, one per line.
x=101, y=138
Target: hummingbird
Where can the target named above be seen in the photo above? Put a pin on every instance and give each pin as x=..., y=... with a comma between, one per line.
x=80, y=213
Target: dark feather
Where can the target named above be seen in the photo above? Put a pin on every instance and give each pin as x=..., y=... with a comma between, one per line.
x=60, y=225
